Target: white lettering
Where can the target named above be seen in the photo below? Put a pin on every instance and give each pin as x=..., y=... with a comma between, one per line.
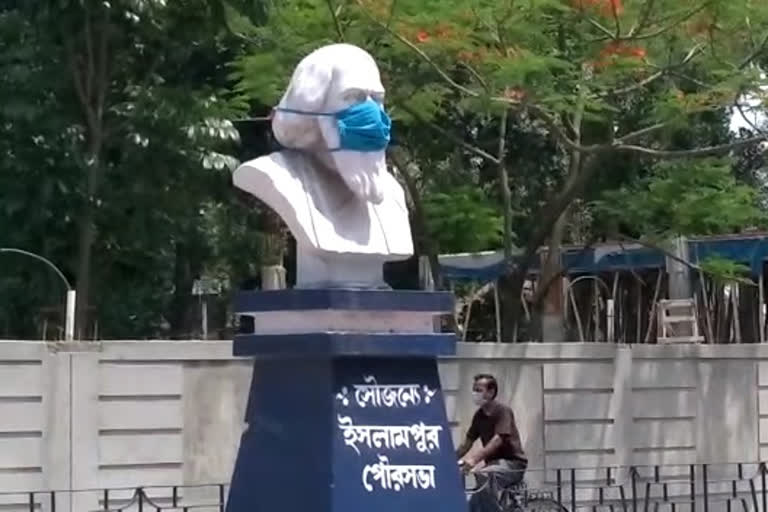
x=425, y=437
x=422, y=438
x=397, y=477
x=372, y=394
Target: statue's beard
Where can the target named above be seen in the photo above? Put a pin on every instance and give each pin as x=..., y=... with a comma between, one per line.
x=364, y=173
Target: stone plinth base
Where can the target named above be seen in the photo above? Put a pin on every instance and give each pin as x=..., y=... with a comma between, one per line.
x=340, y=419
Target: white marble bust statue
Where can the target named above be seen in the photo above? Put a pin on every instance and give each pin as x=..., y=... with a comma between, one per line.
x=334, y=192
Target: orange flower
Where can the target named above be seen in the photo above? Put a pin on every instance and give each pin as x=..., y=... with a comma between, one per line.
x=422, y=36
x=618, y=49
x=612, y=48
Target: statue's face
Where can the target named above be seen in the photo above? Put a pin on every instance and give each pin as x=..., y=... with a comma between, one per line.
x=354, y=81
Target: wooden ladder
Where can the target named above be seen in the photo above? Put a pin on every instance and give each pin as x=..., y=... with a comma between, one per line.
x=677, y=321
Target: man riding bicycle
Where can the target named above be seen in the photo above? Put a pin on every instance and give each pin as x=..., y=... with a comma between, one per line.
x=502, y=451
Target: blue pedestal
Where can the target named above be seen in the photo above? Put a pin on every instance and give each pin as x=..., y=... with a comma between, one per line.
x=343, y=421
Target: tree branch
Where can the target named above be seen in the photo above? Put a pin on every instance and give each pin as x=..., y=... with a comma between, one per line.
x=694, y=81
x=336, y=22
x=752, y=125
x=102, y=83
x=667, y=28
x=550, y=121
x=555, y=207
x=90, y=59
x=692, y=53
x=477, y=76
x=617, y=145
x=77, y=81
x=615, y=12
x=631, y=88
x=755, y=53
x=76, y=78
x=601, y=28
x=632, y=35
x=643, y=19
x=691, y=153
x=640, y=133
x=392, y=8
x=453, y=138
x=420, y=52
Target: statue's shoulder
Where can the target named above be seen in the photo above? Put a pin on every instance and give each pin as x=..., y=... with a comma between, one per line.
x=266, y=171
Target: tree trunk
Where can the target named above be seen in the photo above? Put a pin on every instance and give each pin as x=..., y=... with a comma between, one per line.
x=182, y=300
x=273, y=273
x=553, y=219
x=85, y=250
x=87, y=236
x=506, y=194
x=422, y=234
x=549, y=312
x=89, y=67
x=188, y=266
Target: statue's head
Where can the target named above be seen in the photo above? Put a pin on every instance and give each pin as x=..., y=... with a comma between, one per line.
x=334, y=107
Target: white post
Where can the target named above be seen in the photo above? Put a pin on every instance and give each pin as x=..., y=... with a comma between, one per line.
x=273, y=277
x=609, y=320
x=204, y=314
x=69, y=322
x=761, y=309
x=425, y=274
x=497, y=310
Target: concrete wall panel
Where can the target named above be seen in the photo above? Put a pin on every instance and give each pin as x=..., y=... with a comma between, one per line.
x=141, y=379
x=664, y=403
x=578, y=376
x=664, y=373
x=572, y=406
x=151, y=413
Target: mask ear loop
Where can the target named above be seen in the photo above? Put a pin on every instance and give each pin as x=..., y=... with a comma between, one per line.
x=299, y=113
x=271, y=116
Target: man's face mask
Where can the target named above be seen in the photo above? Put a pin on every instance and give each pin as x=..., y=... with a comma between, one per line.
x=363, y=127
x=478, y=398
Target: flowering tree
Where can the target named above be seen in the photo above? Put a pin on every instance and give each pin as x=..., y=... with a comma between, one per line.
x=577, y=68
x=604, y=85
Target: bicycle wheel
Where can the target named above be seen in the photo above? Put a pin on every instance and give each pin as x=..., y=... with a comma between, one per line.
x=544, y=505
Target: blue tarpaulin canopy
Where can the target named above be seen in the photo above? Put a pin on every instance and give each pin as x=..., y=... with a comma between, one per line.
x=750, y=250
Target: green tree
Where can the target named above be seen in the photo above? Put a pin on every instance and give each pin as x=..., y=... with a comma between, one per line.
x=605, y=87
x=683, y=198
x=118, y=139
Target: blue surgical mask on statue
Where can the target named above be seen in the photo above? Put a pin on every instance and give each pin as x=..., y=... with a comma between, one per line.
x=363, y=127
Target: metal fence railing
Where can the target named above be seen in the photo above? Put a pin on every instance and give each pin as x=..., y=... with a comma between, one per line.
x=731, y=487
x=177, y=498
x=677, y=488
